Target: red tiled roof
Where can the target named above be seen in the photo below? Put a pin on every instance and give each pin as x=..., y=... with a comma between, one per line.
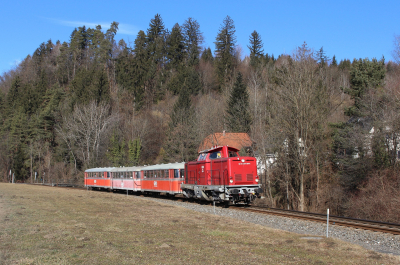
x=237, y=140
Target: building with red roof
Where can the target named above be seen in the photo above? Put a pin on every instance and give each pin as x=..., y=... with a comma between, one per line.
x=237, y=140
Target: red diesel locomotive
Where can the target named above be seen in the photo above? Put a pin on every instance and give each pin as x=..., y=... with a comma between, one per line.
x=219, y=175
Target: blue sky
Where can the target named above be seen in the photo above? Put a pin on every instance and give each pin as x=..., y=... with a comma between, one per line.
x=346, y=29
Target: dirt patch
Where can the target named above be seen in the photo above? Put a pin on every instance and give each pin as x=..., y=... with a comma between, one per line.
x=67, y=226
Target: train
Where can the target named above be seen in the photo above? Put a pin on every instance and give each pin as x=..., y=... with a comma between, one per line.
x=218, y=175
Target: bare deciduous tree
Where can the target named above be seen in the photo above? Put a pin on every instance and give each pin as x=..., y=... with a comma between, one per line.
x=300, y=112
x=84, y=130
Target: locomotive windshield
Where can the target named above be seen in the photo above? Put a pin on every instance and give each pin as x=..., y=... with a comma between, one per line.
x=215, y=155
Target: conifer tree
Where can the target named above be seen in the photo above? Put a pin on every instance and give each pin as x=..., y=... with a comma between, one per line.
x=334, y=62
x=193, y=39
x=321, y=57
x=364, y=75
x=78, y=46
x=156, y=50
x=175, y=48
x=155, y=40
x=225, y=45
x=134, y=147
x=181, y=144
x=256, y=49
x=116, y=150
x=140, y=68
x=207, y=56
x=238, y=115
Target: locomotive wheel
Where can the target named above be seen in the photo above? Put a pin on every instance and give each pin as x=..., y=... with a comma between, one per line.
x=226, y=204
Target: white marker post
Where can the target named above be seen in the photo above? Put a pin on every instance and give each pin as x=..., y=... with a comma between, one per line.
x=327, y=223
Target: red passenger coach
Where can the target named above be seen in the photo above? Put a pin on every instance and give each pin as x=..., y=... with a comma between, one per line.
x=221, y=175
x=163, y=178
x=98, y=178
x=126, y=178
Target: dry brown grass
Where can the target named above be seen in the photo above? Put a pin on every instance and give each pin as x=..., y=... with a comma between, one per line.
x=44, y=225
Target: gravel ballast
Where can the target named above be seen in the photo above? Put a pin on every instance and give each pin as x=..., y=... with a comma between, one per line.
x=379, y=242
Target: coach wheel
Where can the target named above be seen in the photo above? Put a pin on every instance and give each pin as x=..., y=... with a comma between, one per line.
x=226, y=204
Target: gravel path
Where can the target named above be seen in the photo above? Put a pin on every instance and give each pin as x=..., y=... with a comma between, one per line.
x=379, y=242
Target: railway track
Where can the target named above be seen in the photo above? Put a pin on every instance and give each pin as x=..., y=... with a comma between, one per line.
x=375, y=226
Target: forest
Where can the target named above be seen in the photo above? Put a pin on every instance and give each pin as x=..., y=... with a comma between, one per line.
x=329, y=131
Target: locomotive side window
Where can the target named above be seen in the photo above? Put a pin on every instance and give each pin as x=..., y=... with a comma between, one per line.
x=215, y=155
x=202, y=157
x=232, y=154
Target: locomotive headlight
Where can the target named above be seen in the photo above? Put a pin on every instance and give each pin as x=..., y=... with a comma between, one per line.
x=243, y=160
x=231, y=181
x=257, y=180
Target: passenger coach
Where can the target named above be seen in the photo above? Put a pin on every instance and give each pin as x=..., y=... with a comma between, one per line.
x=163, y=178
x=126, y=178
x=98, y=177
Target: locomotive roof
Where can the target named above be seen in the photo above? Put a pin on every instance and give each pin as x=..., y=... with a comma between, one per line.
x=180, y=165
x=99, y=169
x=215, y=148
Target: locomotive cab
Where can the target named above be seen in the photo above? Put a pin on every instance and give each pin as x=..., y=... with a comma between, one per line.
x=220, y=174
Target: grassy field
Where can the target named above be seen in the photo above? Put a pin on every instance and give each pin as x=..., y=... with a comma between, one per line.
x=48, y=225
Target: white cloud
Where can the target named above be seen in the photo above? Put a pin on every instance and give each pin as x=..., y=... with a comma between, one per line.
x=15, y=63
x=125, y=29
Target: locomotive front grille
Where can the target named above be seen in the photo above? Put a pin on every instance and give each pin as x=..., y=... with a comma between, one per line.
x=238, y=177
x=249, y=177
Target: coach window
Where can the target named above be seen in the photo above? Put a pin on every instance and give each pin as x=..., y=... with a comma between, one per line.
x=176, y=173
x=182, y=171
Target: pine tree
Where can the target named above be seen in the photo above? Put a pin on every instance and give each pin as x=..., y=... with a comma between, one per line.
x=78, y=46
x=175, y=48
x=155, y=40
x=334, y=62
x=180, y=144
x=364, y=75
x=225, y=50
x=116, y=150
x=192, y=40
x=155, y=70
x=140, y=68
x=238, y=115
x=321, y=57
x=135, y=147
x=256, y=49
x=207, y=56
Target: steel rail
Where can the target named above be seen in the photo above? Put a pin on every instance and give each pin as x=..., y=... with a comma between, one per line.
x=376, y=226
